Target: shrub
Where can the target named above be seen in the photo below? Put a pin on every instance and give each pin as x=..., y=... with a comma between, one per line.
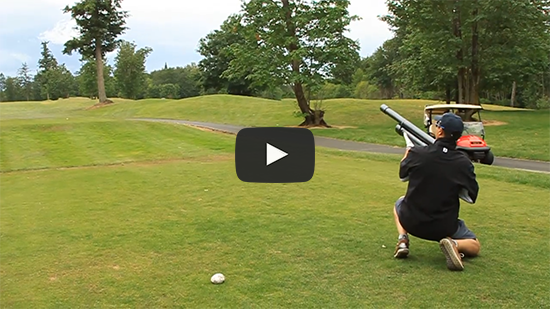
x=543, y=103
x=273, y=94
x=364, y=90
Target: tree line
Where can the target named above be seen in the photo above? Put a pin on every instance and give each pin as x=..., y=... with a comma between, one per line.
x=478, y=51
x=126, y=78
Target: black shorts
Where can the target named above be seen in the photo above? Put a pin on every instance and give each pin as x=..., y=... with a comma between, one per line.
x=463, y=232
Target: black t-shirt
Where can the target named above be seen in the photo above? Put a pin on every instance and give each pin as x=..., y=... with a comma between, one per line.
x=436, y=174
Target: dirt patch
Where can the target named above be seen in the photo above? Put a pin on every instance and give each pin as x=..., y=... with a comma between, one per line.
x=207, y=129
x=211, y=158
x=331, y=127
x=100, y=105
x=144, y=163
x=494, y=123
x=57, y=128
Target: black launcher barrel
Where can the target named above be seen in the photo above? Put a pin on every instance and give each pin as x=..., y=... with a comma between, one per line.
x=399, y=129
x=407, y=125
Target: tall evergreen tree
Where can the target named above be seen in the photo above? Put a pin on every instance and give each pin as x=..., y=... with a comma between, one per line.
x=2, y=87
x=25, y=81
x=99, y=23
x=47, y=67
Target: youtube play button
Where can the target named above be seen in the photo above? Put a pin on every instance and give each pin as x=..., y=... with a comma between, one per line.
x=275, y=155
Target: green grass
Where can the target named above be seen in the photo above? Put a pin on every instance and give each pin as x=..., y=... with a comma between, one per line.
x=150, y=232
x=45, y=109
x=522, y=133
x=47, y=143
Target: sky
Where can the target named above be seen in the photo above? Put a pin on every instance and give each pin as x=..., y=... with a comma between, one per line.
x=172, y=28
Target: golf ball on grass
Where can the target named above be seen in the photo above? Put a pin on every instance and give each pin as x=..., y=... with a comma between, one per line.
x=217, y=278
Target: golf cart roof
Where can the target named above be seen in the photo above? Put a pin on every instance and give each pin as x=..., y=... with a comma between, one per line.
x=453, y=106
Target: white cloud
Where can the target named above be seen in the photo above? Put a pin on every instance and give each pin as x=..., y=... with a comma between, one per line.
x=60, y=33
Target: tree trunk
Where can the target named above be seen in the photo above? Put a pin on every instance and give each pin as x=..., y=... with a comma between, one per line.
x=459, y=56
x=460, y=90
x=467, y=86
x=448, y=94
x=476, y=71
x=543, y=87
x=100, y=78
x=513, y=98
x=312, y=118
x=301, y=98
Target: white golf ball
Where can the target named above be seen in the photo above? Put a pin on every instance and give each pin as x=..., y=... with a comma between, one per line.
x=217, y=278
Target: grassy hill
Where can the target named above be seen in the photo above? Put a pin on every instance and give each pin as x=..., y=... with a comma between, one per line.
x=511, y=132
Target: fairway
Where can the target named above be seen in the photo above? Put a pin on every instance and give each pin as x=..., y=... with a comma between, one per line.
x=511, y=132
x=101, y=212
x=514, y=133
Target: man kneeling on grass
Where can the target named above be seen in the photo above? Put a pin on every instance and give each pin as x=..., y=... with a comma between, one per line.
x=438, y=175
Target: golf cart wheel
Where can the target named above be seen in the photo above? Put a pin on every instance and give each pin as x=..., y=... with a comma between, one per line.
x=488, y=159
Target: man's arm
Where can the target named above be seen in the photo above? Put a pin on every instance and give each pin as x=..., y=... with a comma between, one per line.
x=405, y=165
x=406, y=153
x=470, y=186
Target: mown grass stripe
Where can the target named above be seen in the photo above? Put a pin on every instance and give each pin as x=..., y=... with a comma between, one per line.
x=24, y=146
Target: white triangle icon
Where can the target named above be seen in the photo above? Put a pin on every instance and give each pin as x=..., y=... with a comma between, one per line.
x=273, y=154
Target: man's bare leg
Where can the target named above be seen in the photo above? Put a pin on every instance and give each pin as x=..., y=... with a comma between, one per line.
x=400, y=228
x=470, y=247
x=402, y=248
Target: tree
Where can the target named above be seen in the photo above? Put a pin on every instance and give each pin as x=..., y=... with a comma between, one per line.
x=130, y=72
x=67, y=82
x=517, y=49
x=13, y=91
x=2, y=87
x=25, y=81
x=99, y=23
x=187, y=80
x=46, y=75
x=217, y=55
x=47, y=66
x=170, y=91
x=87, y=79
x=48, y=61
x=379, y=67
x=292, y=42
x=468, y=44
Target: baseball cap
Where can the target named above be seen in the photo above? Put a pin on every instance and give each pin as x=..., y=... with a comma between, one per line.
x=452, y=124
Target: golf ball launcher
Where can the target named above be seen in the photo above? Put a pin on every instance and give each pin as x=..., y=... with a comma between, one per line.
x=418, y=137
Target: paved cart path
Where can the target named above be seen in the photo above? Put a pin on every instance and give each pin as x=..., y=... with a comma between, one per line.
x=529, y=165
